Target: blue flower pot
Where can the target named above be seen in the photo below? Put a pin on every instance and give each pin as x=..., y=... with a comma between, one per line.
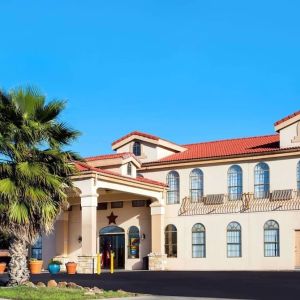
x=53, y=268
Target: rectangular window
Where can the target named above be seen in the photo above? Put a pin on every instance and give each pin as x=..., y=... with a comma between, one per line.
x=36, y=249
x=234, y=243
x=172, y=197
x=102, y=206
x=139, y=203
x=271, y=242
x=198, y=244
x=117, y=204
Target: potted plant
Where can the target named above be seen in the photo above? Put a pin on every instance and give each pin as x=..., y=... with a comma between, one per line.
x=54, y=266
x=2, y=267
x=35, y=266
x=71, y=267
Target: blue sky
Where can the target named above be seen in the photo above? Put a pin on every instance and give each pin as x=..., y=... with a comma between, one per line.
x=187, y=71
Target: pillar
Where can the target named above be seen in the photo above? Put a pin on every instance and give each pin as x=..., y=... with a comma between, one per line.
x=62, y=238
x=62, y=232
x=157, y=257
x=87, y=260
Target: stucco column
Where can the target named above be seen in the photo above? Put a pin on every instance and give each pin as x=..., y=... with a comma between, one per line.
x=62, y=232
x=157, y=257
x=157, y=227
x=89, y=224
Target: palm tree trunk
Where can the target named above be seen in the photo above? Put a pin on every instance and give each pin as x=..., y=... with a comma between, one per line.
x=17, y=269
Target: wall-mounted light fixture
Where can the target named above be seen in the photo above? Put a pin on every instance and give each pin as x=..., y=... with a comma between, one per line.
x=142, y=236
x=80, y=239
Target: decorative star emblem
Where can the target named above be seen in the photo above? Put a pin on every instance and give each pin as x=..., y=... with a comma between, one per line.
x=111, y=218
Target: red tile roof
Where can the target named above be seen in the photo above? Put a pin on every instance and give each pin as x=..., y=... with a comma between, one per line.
x=224, y=148
x=111, y=156
x=81, y=167
x=287, y=118
x=146, y=135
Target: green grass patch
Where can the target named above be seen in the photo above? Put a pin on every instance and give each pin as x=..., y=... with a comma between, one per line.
x=42, y=293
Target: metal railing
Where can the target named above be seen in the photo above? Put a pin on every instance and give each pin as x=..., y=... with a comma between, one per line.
x=277, y=200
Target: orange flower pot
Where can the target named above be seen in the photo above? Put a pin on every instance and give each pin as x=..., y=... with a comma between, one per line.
x=2, y=267
x=71, y=267
x=35, y=266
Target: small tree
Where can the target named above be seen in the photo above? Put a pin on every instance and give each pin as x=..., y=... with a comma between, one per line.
x=34, y=171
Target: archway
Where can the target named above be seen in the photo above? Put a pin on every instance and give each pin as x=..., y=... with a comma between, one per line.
x=112, y=238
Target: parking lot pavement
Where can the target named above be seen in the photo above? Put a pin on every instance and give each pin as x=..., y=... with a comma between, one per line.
x=192, y=284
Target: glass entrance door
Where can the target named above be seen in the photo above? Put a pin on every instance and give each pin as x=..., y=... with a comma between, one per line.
x=112, y=238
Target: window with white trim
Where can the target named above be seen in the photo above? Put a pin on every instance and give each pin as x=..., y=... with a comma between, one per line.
x=171, y=240
x=173, y=184
x=235, y=182
x=198, y=241
x=196, y=185
x=261, y=181
x=234, y=240
x=271, y=239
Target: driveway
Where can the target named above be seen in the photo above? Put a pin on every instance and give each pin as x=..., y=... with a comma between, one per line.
x=231, y=285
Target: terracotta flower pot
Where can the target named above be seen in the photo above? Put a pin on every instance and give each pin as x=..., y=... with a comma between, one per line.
x=71, y=267
x=2, y=267
x=35, y=266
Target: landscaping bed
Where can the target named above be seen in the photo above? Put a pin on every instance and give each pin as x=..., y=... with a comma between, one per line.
x=60, y=290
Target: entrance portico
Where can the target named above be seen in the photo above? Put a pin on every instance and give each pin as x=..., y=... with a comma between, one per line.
x=99, y=193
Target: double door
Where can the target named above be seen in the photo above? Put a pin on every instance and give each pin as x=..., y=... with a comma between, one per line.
x=113, y=243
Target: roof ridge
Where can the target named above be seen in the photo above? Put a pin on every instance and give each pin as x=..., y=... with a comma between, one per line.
x=136, y=132
x=99, y=170
x=232, y=139
x=290, y=116
x=110, y=154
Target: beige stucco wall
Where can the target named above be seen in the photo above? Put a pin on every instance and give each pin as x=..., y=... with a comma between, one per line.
x=282, y=176
x=287, y=136
x=252, y=242
x=130, y=216
x=127, y=216
x=48, y=248
x=150, y=152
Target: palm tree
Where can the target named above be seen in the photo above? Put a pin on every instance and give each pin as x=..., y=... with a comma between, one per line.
x=34, y=171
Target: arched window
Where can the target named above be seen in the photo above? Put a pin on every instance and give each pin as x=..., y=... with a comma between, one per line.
x=36, y=249
x=261, y=181
x=234, y=240
x=196, y=185
x=133, y=242
x=298, y=175
x=198, y=240
x=137, y=148
x=129, y=169
x=173, y=184
x=271, y=238
x=235, y=182
x=171, y=241
x=111, y=229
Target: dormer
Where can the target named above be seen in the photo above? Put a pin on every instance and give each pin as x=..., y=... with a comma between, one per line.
x=122, y=163
x=146, y=147
x=289, y=130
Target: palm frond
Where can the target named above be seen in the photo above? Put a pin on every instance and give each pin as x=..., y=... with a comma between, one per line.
x=18, y=212
x=8, y=187
x=50, y=111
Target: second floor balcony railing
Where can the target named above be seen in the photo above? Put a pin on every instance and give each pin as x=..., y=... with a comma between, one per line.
x=276, y=200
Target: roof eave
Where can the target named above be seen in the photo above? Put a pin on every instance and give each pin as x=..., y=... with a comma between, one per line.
x=163, y=164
